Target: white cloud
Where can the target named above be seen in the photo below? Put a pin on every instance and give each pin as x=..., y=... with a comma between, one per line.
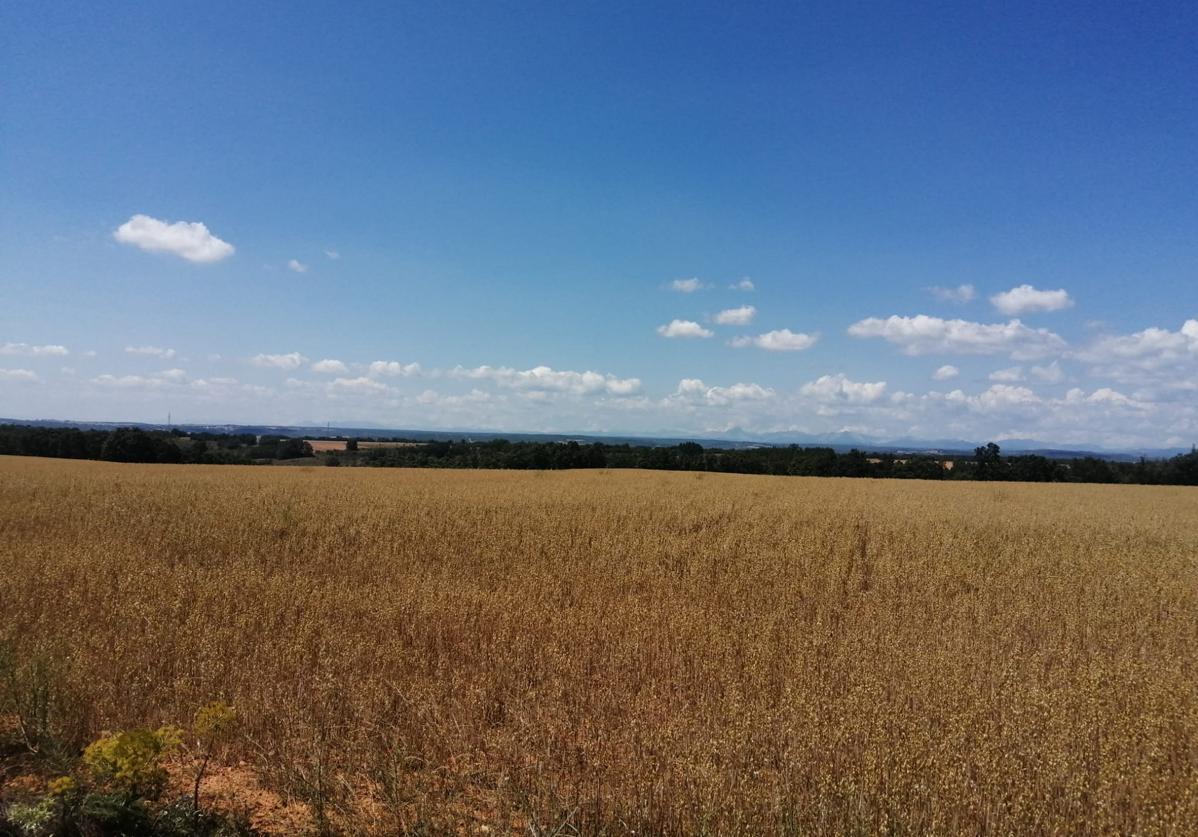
x=1003, y=396
x=921, y=335
x=173, y=375
x=359, y=386
x=743, y=284
x=1109, y=397
x=687, y=286
x=736, y=316
x=946, y=372
x=683, y=328
x=1027, y=300
x=191, y=241
x=26, y=350
x=394, y=369
x=432, y=398
x=547, y=379
x=17, y=375
x=153, y=351
x=329, y=366
x=213, y=385
x=296, y=266
x=167, y=377
x=291, y=360
x=1051, y=373
x=961, y=293
x=332, y=254
x=1007, y=376
x=781, y=340
x=1155, y=355
x=692, y=389
x=840, y=388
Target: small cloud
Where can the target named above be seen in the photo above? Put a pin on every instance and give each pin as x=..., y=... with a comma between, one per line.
x=736, y=316
x=26, y=350
x=332, y=254
x=394, y=369
x=683, y=328
x=946, y=372
x=781, y=340
x=693, y=389
x=686, y=286
x=1052, y=373
x=174, y=375
x=359, y=386
x=921, y=335
x=328, y=366
x=1027, y=300
x=1007, y=376
x=162, y=379
x=548, y=379
x=744, y=284
x=291, y=360
x=188, y=240
x=17, y=375
x=296, y=266
x=840, y=388
x=961, y=293
x=152, y=351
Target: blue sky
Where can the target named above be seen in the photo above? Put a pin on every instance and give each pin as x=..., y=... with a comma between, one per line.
x=957, y=220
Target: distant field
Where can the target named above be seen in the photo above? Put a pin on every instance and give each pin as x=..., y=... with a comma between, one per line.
x=637, y=651
x=322, y=446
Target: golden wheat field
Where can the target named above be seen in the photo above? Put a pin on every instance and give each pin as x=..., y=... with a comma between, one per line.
x=633, y=652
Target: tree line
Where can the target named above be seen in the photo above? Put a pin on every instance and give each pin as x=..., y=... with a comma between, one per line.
x=131, y=444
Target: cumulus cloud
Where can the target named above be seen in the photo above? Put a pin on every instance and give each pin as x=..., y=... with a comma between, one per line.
x=329, y=366
x=683, y=328
x=693, y=389
x=1112, y=398
x=687, y=286
x=839, y=388
x=165, y=378
x=1010, y=375
x=1050, y=374
x=1028, y=300
x=213, y=385
x=291, y=360
x=921, y=335
x=736, y=316
x=1003, y=396
x=394, y=369
x=742, y=284
x=152, y=351
x=188, y=240
x=17, y=375
x=26, y=350
x=432, y=398
x=547, y=379
x=946, y=372
x=781, y=340
x=296, y=266
x=961, y=293
x=1155, y=354
x=359, y=386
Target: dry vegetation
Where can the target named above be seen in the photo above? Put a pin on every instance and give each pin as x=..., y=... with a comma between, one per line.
x=664, y=653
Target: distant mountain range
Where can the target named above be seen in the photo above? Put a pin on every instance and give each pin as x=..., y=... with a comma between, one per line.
x=734, y=438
